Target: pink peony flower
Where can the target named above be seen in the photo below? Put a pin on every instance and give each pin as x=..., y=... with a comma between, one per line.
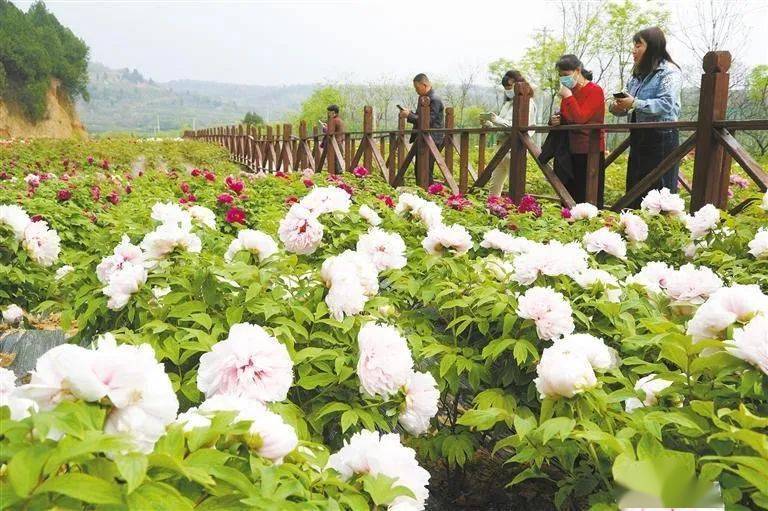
x=225, y=198
x=457, y=202
x=95, y=193
x=300, y=231
x=249, y=363
x=233, y=184
x=308, y=183
x=90, y=160
x=385, y=364
x=184, y=187
x=529, y=204
x=346, y=188
x=113, y=197
x=361, y=172
x=235, y=215
x=63, y=195
x=565, y=213
x=549, y=310
x=436, y=189
x=386, y=199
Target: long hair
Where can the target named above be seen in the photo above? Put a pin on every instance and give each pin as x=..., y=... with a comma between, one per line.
x=513, y=76
x=655, y=52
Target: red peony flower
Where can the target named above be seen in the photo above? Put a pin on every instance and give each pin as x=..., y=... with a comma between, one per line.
x=291, y=199
x=64, y=177
x=36, y=218
x=281, y=174
x=361, y=171
x=498, y=210
x=386, y=199
x=95, y=193
x=184, y=187
x=308, y=183
x=235, y=215
x=457, y=202
x=346, y=188
x=90, y=160
x=565, y=213
x=436, y=189
x=529, y=204
x=105, y=164
x=191, y=197
x=182, y=200
x=233, y=184
x=113, y=197
x=63, y=195
x=128, y=189
x=195, y=172
x=209, y=176
x=225, y=198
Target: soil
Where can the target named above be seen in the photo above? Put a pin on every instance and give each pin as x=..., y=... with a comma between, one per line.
x=60, y=121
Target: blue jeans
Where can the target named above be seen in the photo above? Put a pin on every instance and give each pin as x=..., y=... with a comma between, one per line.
x=647, y=148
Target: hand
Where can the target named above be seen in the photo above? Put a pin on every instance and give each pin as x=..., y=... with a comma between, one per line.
x=554, y=120
x=406, y=111
x=488, y=124
x=323, y=124
x=564, y=92
x=624, y=104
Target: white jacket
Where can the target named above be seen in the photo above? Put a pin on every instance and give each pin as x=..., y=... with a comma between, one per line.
x=504, y=119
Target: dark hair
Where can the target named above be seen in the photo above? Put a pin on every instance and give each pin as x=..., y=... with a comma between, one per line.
x=513, y=76
x=655, y=52
x=421, y=78
x=570, y=62
x=333, y=108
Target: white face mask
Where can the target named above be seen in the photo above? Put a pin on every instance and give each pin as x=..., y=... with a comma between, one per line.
x=509, y=94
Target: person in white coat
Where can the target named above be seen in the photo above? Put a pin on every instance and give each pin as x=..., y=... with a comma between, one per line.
x=504, y=120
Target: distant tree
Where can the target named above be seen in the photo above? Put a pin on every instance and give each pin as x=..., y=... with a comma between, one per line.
x=538, y=66
x=252, y=119
x=314, y=107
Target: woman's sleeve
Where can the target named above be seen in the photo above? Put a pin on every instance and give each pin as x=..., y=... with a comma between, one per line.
x=581, y=113
x=664, y=102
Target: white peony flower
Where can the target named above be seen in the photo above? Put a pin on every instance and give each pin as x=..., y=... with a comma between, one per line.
x=123, y=283
x=551, y=259
x=496, y=239
x=15, y=218
x=32, y=180
x=605, y=240
x=764, y=203
x=13, y=314
x=703, y=221
x=421, y=396
x=370, y=215
x=428, y=212
x=248, y=363
x=663, y=201
x=300, y=231
x=271, y=437
x=256, y=242
x=651, y=385
x=563, y=373
x=172, y=214
x=750, y=343
x=159, y=292
x=590, y=279
x=501, y=269
x=726, y=306
x=124, y=252
x=653, y=276
x=327, y=199
x=385, y=363
x=346, y=297
x=690, y=285
x=368, y=452
x=442, y=237
x=385, y=250
x=63, y=271
x=351, y=265
x=42, y=244
x=583, y=211
x=758, y=247
x=20, y=407
x=549, y=310
x=601, y=357
x=634, y=227
x=204, y=216
x=138, y=425
x=166, y=238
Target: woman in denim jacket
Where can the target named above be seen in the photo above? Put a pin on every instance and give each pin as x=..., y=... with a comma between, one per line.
x=653, y=96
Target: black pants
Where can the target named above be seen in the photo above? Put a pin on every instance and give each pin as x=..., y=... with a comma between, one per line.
x=647, y=148
x=440, y=147
x=577, y=186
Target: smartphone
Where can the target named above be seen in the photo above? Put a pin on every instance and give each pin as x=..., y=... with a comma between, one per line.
x=400, y=107
x=619, y=95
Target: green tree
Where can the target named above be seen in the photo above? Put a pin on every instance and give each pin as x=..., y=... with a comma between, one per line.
x=538, y=65
x=315, y=106
x=497, y=68
x=252, y=119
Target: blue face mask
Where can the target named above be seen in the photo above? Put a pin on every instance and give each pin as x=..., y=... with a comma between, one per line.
x=568, y=81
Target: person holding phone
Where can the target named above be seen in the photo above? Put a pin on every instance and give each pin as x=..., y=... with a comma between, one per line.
x=336, y=125
x=583, y=102
x=653, y=95
x=504, y=120
x=423, y=87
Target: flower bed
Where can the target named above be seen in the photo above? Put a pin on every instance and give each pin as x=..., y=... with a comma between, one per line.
x=315, y=342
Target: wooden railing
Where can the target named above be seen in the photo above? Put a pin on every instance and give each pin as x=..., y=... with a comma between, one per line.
x=391, y=154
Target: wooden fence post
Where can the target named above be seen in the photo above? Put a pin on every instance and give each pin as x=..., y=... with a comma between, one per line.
x=422, y=151
x=287, y=151
x=301, y=159
x=450, y=123
x=401, y=140
x=518, y=155
x=708, y=162
x=330, y=153
x=367, y=137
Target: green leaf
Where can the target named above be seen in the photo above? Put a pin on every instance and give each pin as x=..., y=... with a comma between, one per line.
x=25, y=468
x=382, y=489
x=132, y=468
x=482, y=419
x=158, y=497
x=348, y=419
x=83, y=487
x=559, y=426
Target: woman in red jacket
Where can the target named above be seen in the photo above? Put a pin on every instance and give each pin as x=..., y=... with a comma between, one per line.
x=583, y=102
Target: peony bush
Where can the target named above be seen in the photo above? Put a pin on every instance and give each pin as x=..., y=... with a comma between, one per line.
x=303, y=341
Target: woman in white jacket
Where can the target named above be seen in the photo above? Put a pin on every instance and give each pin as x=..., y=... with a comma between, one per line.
x=504, y=120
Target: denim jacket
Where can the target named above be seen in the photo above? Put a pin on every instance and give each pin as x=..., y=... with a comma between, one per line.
x=657, y=96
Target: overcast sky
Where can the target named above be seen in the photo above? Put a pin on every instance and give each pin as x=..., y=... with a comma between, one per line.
x=273, y=42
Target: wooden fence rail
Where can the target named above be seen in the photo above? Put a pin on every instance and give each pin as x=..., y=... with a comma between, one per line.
x=390, y=153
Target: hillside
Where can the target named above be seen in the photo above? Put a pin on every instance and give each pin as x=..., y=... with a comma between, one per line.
x=124, y=100
x=59, y=119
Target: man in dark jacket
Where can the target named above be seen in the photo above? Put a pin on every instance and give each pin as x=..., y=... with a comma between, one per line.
x=436, y=115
